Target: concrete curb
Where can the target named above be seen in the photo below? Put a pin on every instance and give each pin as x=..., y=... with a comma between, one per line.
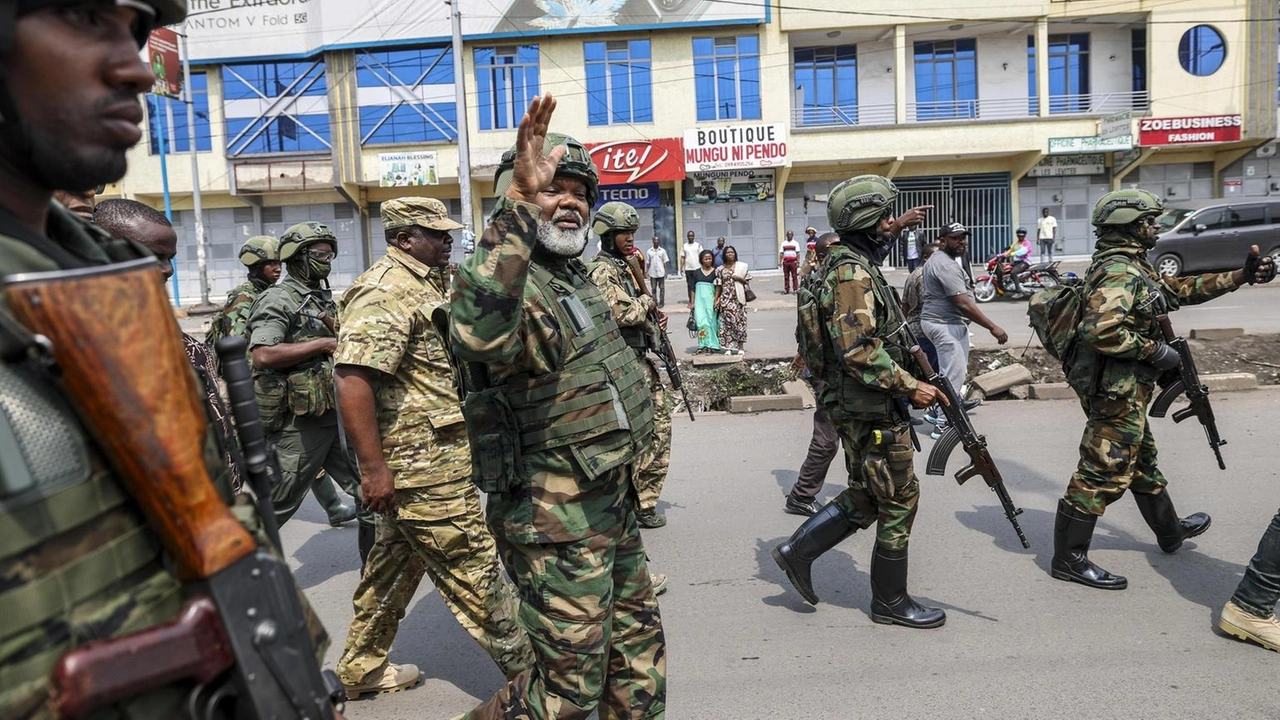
x=1217, y=383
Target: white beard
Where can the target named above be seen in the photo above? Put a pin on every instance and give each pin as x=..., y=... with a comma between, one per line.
x=561, y=242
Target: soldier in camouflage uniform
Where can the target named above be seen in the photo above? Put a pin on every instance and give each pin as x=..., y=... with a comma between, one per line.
x=292, y=336
x=1117, y=360
x=261, y=254
x=852, y=338
x=402, y=415
x=77, y=561
x=565, y=396
x=616, y=224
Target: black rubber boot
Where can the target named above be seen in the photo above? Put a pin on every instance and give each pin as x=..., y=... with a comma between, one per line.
x=365, y=537
x=815, y=536
x=1072, y=534
x=1170, y=530
x=890, y=603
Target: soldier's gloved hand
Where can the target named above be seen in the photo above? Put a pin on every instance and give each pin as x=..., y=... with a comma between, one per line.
x=1164, y=358
x=1259, y=268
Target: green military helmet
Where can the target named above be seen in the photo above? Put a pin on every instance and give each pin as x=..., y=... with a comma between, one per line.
x=303, y=234
x=1122, y=207
x=615, y=217
x=860, y=202
x=576, y=163
x=259, y=249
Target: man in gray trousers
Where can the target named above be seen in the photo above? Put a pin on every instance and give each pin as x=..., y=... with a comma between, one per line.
x=948, y=308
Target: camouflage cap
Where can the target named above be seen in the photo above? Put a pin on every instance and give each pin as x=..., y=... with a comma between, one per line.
x=420, y=211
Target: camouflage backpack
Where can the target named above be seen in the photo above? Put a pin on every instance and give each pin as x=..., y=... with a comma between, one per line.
x=1055, y=312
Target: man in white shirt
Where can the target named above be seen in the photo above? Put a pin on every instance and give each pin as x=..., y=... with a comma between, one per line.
x=1046, y=233
x=689, y=260
x=656, y=269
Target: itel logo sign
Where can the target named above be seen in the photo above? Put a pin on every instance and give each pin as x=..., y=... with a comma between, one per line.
x=625, y=162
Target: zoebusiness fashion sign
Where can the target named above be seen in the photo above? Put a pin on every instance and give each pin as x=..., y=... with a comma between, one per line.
x=1188, y=130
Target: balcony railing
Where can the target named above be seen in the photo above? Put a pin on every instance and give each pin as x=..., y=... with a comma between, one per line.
x=967, y=110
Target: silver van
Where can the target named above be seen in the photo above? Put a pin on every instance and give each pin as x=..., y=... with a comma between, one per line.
x=1216, y=235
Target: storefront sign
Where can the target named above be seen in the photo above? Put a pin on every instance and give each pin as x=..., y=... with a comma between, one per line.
x=1114, y=126
x=1189, y=130
x=632, y=161
x=1057, y=165
x=641, y=195
x=761, y=145
x=162, y=52
x=726, y=186
x=407, y=169
x=1068, y=145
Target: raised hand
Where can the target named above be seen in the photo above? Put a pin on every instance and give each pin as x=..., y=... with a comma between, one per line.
x=534, y=169
x=911, y=218
x=1257, y=268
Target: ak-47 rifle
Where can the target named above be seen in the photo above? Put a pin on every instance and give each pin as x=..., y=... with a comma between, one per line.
x=663, y=349
x=242, y=637
x=1197, y=392
x=960, y=431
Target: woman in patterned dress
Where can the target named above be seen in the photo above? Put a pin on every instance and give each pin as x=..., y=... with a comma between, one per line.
x=732, y=277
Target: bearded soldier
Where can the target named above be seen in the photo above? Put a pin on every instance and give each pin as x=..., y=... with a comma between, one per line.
x=1120, y=354
x=557, y=412
x=854, y=340
x=292, y=336
x=616, y=224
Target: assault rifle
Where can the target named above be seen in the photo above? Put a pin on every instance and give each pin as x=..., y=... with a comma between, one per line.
x=1197, y=392
x=663, y=349
x=960, y=431
x=241, y=639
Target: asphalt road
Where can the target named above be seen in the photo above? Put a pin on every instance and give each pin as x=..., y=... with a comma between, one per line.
x=1017, y=643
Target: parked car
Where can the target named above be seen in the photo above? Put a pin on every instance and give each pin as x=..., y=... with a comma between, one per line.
x=1216, y=235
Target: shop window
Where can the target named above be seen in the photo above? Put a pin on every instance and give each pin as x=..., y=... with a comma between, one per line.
x=1202, y=50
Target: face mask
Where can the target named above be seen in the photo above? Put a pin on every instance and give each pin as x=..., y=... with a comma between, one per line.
x=317, y=270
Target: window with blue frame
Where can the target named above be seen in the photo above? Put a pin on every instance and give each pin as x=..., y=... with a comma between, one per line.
x=619, y=82
x=1069, y=73
x=276, y=107
x=506, y=80
x=167, y=114
x=407, y=96
x=828, y=79
x=1202, y=50
x=1033, y=91
x=946, y=79
x=1138, y=42
x=726, y=76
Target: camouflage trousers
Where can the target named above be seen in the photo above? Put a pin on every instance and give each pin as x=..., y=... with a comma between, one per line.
x=460, y=557
x=651, y=468
x=306, y=446
x=883, y=488
x=1117, y=452
x=593, y=619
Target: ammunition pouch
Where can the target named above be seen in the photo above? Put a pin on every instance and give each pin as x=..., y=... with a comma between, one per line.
x=494, y=435
x=272, y=391
x=311, y=390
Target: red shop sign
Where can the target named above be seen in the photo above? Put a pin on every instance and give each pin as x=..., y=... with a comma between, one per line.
x=1188, y=130
x=626, y=162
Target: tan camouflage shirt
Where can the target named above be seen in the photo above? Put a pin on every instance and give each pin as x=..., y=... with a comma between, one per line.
x=630, y=306
x=386, y=325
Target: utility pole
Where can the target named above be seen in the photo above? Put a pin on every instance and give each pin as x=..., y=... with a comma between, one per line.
x=202, y=255
x=464, y=152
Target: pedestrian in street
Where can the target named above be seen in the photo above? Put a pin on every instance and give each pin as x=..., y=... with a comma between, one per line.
x=949, y=307
x=616, y=224
x=732, y=279
x=909, y=245
x=913, y=304
x=1046, y=234
x=825, y=441
x=718, y=251
x=810, y=238
x=702, y=303
x=292, y=331
x=560, y=498
x=656, y=270
x=689, y=260
x=403, y=418
x=1119, y=356
x=789, y=258
x=1250, y=613
x=854, y=338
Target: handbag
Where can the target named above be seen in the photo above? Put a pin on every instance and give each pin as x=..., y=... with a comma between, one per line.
x=691, y=325
x=747, y=293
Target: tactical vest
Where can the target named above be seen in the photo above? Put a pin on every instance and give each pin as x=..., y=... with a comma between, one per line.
x=855, y=398
x=306, y=388
x=76, y=552
x=598, y=403
x=634, y=335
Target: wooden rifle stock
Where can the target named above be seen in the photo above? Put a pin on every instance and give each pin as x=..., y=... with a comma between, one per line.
x=121, y=360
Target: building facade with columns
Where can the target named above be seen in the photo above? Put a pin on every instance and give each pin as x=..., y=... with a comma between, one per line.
x=729, y=120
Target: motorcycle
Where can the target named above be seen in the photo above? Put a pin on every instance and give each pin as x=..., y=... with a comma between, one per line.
x=1038, y=276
